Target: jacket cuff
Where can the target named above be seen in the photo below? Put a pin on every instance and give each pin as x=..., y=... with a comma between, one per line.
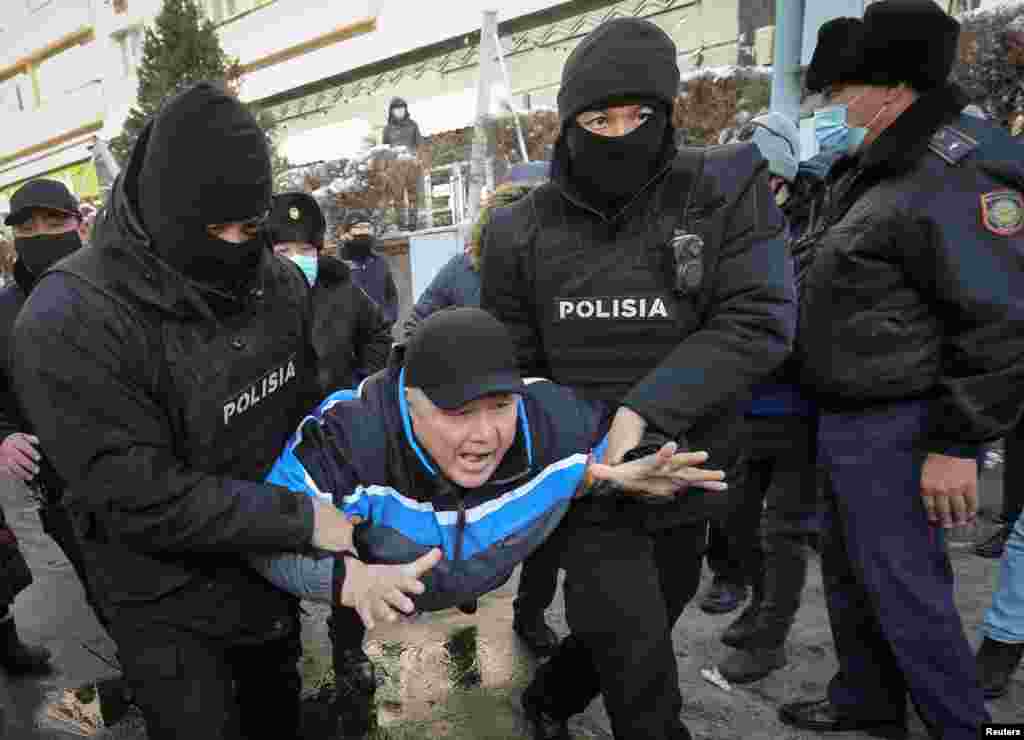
x=955, y=449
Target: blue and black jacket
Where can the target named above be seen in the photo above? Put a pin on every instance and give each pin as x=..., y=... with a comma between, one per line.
x=358, y=450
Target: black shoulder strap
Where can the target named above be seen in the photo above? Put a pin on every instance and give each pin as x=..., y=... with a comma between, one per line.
x=687, y=210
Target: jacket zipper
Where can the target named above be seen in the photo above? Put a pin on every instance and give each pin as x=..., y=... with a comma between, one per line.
x=460, y=527
x=641, y=191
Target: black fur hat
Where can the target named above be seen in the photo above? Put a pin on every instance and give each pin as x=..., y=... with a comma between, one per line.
x=837, y=55
x=296, y=217
x=911, y=41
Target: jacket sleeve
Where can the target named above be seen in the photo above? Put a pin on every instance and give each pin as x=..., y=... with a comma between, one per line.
x=10, y=415
x=438, y=295
x=386, y=136
x=975, y=280
x=390, y=305
x=505, y=289
x=373, y=335
x=86, y=383
x=750, y=324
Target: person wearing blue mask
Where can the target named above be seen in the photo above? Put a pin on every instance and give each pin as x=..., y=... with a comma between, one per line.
x=911, y=342
x=352, y=340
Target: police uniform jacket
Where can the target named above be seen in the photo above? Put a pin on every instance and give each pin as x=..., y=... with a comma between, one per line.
x=592, y=300
x=351, y=337
x=916, y=288
x=164, y=403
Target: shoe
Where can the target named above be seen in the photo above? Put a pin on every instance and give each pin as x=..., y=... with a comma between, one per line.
x=17, y=658
x=997, y=662
x=545, y=726
x=536, y=633
x=723, y=597
x=743, y=627
x=355, y=682
x=823, y=716
x=745, y=666
x=994, y=544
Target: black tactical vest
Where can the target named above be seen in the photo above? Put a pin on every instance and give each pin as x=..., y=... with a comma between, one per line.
x=237, y=389
x=614, y=303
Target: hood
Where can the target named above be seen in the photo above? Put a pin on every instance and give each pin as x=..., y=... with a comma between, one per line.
x=128, y=266
x=398, y=103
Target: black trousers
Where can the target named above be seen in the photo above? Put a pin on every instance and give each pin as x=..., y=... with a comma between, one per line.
x=347, y=630
x=538, y=579
x=1013, y=474
x=624, y=590
x=193, y=688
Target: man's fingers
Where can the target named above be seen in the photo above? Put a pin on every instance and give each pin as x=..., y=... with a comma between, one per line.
x=929, y=507
x=958, y=507
x=25, y=472
x=366, y=614
x=23, y=447
x=942, y=511
x=689, y=459
x=422, y=564
x=711, y=485
x=695, y=475
x=395, y=598
x=972, y=505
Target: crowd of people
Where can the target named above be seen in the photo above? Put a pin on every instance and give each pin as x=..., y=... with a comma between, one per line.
x=659, y=355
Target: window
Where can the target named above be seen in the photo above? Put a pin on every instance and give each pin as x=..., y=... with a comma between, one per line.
x=63, y=73
x=130, y=43
x=15, y=94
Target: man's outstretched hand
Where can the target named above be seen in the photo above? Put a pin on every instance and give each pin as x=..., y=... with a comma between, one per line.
x=663, y=474
x=380, y=591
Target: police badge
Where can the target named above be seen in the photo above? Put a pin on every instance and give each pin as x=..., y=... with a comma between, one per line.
x=1002, y=212
x=688, y=250
x=293, y=213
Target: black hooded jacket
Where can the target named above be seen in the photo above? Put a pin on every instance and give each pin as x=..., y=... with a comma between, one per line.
x=351, y=335
x=401, y=133
x=589, y=299
x=910, y=295
x=163, y=403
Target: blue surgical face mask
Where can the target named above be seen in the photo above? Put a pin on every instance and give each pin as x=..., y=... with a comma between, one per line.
x=308, y=265
x=834, y=134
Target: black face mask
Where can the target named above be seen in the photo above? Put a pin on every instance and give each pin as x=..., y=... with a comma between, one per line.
x=39, y=253
x=223, y=264
x=610, y=169
x=357, y=248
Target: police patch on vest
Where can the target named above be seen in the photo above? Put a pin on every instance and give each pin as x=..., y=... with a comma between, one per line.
x=1002, y=212
x=259, y=390
x=630, y=308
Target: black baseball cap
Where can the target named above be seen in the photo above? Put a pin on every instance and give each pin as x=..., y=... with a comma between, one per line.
x=42, y=193
x=460, y=354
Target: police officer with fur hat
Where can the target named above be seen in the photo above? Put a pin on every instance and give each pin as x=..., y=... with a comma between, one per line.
x=352, y=341
x=912, y=344
x=656, y=282
x=163, y=369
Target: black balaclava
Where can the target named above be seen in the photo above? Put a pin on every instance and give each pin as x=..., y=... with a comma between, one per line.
x=207, y=162
x=608, y=170
x=625, y=60
x=358, y=248
x=39, y=253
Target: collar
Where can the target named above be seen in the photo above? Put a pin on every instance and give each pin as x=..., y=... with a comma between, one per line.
x=23, y=277
x=331, y=270
x=906, y=141
x=518, y=460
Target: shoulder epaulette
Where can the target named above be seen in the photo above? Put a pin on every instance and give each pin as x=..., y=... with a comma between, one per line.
x=952, y=145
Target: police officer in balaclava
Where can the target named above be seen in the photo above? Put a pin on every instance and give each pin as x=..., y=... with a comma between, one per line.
x=163, y=369
x=654, y=282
